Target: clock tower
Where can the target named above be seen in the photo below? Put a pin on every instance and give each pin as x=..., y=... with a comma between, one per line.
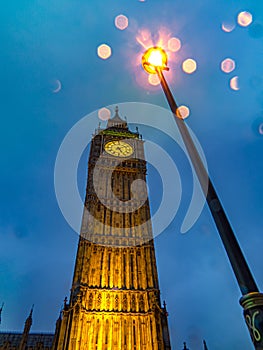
x=115, y=297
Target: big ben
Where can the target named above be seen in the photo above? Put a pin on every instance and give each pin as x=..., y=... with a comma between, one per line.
x=115, y=297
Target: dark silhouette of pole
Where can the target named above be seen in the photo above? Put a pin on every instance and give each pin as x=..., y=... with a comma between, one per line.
x=244, y=277
x=252, y=300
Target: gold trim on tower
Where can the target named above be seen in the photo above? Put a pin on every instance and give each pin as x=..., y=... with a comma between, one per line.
x=115, y=297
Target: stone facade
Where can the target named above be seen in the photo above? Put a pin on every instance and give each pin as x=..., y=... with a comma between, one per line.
x=115, y=296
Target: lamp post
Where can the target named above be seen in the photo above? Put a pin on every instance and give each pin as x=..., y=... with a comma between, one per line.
x=154, y=61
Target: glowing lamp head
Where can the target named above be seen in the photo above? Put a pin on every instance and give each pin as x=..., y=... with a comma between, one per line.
x=154, y=58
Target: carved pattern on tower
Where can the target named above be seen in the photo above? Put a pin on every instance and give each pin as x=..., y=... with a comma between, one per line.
x=115, y=297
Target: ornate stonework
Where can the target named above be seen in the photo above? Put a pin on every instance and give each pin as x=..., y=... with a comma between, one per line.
x=115, y=297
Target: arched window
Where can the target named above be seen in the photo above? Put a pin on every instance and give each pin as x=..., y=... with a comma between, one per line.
x=134, y=335
x=107, y=332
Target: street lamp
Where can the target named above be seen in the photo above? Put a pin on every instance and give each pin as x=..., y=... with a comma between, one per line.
x=154, y=61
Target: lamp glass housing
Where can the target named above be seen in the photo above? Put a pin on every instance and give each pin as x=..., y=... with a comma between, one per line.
x=154, y=58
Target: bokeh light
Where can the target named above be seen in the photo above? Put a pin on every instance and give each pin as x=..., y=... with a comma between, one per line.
x=104, y=51
x=183, y=112
x=228, y=65
x=228, y=27
x=174, y=44
x=56, y=86
x=121, y=22
x=260, y=129
x=234, y=83
x=189, y=66
x=244, y=18
x=153, y=79
x=104, y=114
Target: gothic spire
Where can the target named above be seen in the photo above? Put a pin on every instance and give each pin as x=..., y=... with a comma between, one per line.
x=28, y=324
x=31, y=311
x=1, y=312
x=164, y=308
x=185, y=348
x=56, y=335
x=116, y=121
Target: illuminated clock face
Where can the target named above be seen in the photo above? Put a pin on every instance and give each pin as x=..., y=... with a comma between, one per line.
x=118, y=148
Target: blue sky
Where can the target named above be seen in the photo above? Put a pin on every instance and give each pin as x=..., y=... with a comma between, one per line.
x=43, y=41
